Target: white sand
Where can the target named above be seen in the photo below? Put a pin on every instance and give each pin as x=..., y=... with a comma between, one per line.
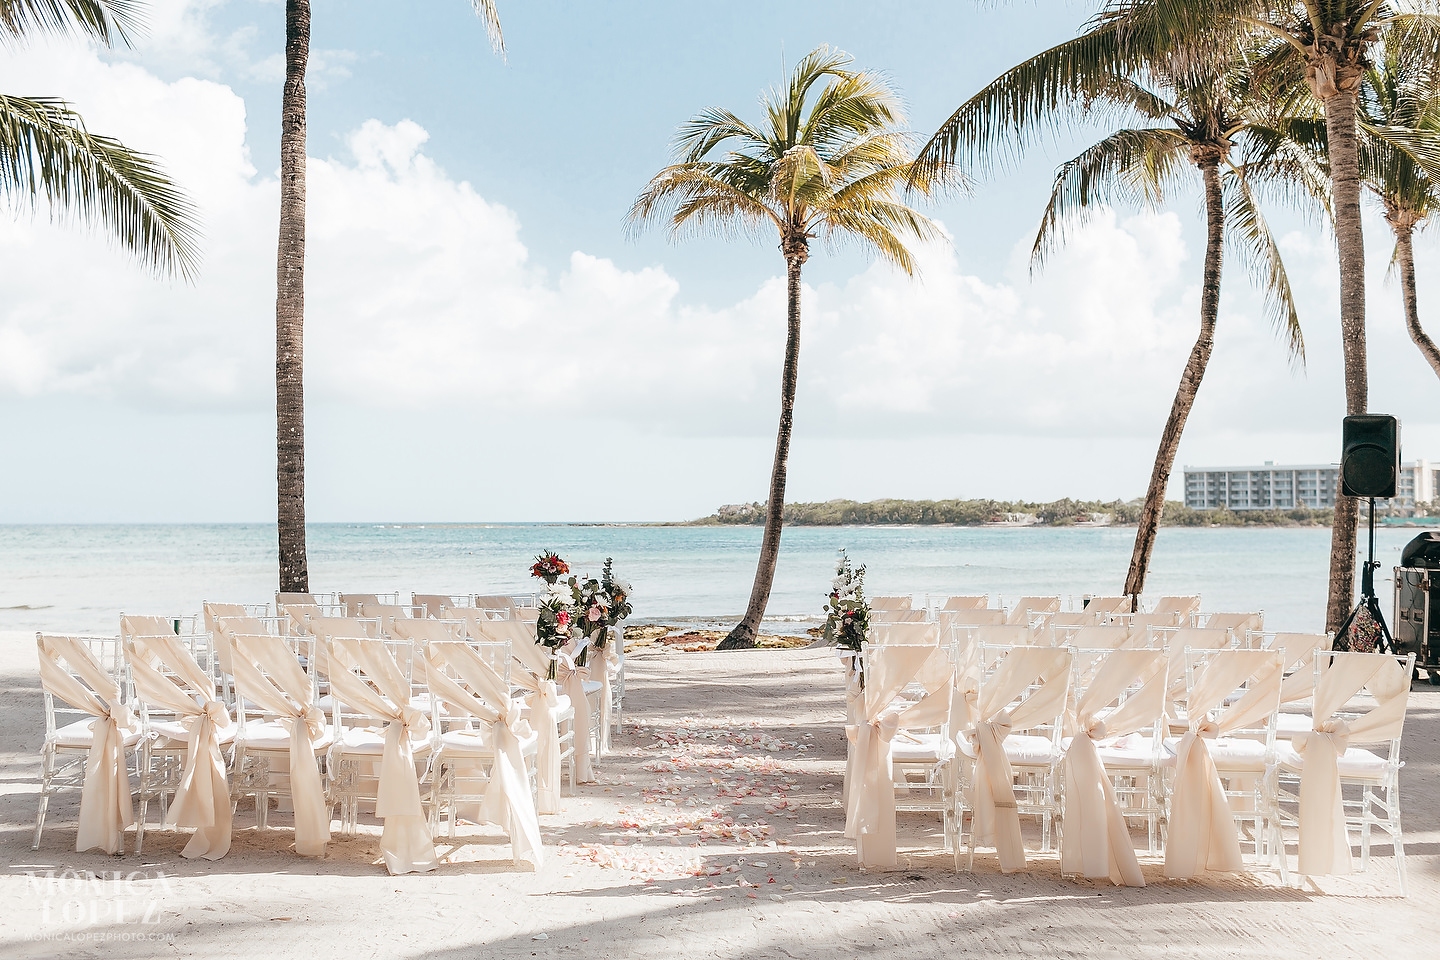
x=262, y=900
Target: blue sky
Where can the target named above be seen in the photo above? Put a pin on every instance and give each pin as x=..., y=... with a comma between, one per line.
x=486, y=341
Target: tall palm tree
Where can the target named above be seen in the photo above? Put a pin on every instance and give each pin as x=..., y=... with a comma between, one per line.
x=1402, y=91
x=829, y=159
x=1201, y=109
x=290, y=293
x=46, y=151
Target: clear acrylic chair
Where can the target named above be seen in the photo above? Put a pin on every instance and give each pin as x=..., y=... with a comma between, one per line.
x=81, y=680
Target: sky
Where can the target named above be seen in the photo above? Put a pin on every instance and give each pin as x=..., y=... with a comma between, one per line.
x=487, y=340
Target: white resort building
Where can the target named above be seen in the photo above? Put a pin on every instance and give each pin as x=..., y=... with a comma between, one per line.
x=1275, y=487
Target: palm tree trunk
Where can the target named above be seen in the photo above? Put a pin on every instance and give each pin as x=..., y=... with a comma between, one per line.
x=290, y=307
x=1405, y=254
x=1189, y=383
x=743, y=636
x=1350, y=240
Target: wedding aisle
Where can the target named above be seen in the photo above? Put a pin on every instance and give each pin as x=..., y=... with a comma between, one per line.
x=715, y=830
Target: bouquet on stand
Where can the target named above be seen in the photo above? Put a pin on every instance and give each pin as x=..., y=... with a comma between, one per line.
x=847, y=621
x=555, y=618
x=618, y=592
x=549, y=567
x=577, y=607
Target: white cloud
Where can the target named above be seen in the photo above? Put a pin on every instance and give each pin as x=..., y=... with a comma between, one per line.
x=422, y=300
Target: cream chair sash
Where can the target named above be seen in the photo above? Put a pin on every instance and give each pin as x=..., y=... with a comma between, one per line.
x=1324, y=848
x=268, y=675
x=382, y=692
x=1202, y=828
x=870, y=813
x=996, y=817
x=543, y=699
x=1096, y=842
x=1297, y=651
x=507, y=798
x=105, y=809
x=202, y=800
x=571, y=678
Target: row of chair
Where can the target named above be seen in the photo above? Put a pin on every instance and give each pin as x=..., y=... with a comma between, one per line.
x=1085, y=739
x=325, y=711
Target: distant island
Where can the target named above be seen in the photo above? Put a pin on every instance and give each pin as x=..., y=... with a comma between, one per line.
x=1008, y=513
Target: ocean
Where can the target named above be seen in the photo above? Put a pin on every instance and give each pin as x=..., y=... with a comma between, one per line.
x=80, y=578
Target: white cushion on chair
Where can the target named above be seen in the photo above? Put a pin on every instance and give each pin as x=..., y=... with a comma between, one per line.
x=921, y=748
x=273, y=735
x=1290, y=725
x=78, y=734
x=1237, y=754
x=1020, y=748
x=173, y=734
x=370, y=742
x=593, y=686
x=1126, y=752
x=475, y=743
x=1356, y=764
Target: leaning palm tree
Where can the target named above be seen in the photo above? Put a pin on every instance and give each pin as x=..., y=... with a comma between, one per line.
x=1180, y=108
x=1402, y=91
x=829, y=159
x=290, y=294
x=47, y=153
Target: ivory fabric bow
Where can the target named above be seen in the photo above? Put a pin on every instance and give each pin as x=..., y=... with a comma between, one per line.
x=1096, y=841
x=543, y=700
x=1324, y=847
x=202, y=799
x=284, y=690
x=571, y=679
x=871, y=823
x=405, y=842
x=1202, y=833
x=105, y=809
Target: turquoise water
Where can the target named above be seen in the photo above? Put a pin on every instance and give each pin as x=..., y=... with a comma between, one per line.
x=80, y=578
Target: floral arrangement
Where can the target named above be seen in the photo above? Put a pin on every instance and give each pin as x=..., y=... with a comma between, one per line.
x=578, y=606
x=847, y=622
x=549, y=567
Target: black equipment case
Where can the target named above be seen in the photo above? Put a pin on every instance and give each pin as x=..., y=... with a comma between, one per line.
x=1417, y=603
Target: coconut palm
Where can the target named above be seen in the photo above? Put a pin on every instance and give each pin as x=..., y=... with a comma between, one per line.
x=830, y=159
x=290, y=293
x=1208, y=112
x=1402, y=91
x=47, y=153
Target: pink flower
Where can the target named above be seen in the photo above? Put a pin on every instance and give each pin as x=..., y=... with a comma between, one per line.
x=593, y=614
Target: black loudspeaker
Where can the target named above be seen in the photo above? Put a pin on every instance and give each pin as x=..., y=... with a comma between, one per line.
x=1370, y=462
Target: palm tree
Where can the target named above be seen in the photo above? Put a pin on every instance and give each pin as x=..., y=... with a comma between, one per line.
x=1402, y=91
x=830, y=159
x=46, y=151
x=290, y=293
x=1193, y=110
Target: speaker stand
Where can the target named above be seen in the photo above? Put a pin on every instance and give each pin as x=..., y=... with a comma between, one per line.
x=1368, y=601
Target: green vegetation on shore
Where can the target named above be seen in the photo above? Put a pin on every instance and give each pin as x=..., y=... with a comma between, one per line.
x=975, y=513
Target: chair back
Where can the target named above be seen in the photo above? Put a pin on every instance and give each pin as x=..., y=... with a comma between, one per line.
x=951, y=619
x=520, y=635
x=387, y=614
x=1027, y=609
x=906, y=632
x=1107, y=606
x=83, y=673
x=1182, y=608
x=899, y=616
x=966, y=603
x=1093, y=638
x=1072, y=618
x=505, y=606
x=1237, y=623
x=1196, y=638
x=999, y=635
x=889, y=603
x=1298, y=651
x=432, y=604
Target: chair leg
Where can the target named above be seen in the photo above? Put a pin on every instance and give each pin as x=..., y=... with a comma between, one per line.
x=1367, y=800
x=47, y=774
x=1397, y=835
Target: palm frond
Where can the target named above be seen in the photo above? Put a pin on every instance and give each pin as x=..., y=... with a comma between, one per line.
x=698, y=196
x=108, y=21
x=46, y=152
x=1248, y=234
x=489, y=14
x=1129, y=166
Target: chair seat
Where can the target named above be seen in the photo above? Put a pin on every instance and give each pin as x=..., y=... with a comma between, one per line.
x=1021, y=749
x=370, y=742
x=79, y=735
x=476, y=743
x=1127, y=752
x=1356, y=764
x=272, y=735
x=174, y=736
x=921, y=748
x=1232, y=754
x=592, y=686
x=1290, y=725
